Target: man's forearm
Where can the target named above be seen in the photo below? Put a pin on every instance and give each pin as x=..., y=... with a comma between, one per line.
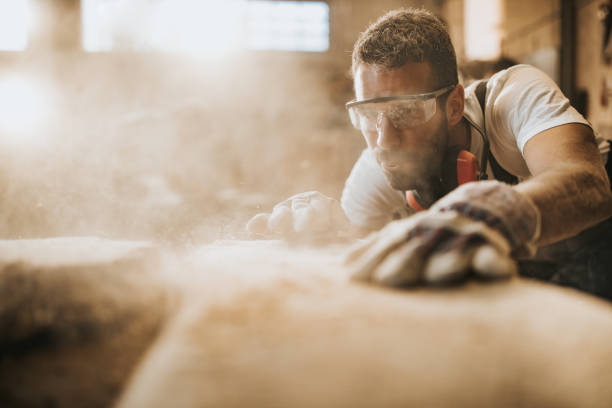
x=570, y=198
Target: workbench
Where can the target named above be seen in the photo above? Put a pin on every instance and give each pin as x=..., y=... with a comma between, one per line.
x=86, y=321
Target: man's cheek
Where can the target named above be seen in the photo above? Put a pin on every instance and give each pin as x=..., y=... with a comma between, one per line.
x=419, y=139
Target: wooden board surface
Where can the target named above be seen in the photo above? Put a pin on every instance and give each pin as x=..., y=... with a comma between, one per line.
x=264, y=323
x=269, y=326
x=76, y=315
x=72, y=251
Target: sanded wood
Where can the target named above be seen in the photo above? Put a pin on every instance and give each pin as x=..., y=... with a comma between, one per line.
x=76, y=315
x=72, y=251
x=93, y=322
x=268, y=326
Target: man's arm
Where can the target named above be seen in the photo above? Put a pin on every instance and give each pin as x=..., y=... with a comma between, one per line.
x=481, y=226
x=569, y=184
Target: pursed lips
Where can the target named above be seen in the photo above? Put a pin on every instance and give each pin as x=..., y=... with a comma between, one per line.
x=388, y=165
x=394, y=161
x=390, y=162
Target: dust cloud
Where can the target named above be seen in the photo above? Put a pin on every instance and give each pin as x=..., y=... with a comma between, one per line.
x=167, y=147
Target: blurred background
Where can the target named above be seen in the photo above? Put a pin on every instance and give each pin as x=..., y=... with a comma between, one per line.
x=177, y=120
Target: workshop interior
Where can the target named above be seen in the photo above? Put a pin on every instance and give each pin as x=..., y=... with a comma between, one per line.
x=176, y=120
x=137, y=139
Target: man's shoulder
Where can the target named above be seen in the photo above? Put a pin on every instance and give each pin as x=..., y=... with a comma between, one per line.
x=515, y=74
x=521, y=101
x=519, y=68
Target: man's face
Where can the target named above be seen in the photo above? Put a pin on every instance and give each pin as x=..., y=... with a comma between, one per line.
x=410, y=157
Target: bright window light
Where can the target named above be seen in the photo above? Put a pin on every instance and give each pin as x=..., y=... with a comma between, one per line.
x=204, y=27
x=482, y=29
x=14, y=24
x=26, y=108
x=288, y=25
x=191, y=26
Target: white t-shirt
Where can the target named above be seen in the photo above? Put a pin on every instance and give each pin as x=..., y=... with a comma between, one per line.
x=521, y=102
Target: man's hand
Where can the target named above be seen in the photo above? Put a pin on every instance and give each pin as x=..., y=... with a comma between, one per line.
x=479, y=228
x=304, y=214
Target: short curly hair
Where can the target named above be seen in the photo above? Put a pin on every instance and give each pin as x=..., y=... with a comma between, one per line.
x=408, y=35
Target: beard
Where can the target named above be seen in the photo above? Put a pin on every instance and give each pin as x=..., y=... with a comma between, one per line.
x=419, y=169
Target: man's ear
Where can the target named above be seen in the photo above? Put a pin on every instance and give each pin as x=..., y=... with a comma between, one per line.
x=454, y=106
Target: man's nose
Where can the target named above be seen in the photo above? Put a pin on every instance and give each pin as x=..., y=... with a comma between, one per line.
x=388, y=135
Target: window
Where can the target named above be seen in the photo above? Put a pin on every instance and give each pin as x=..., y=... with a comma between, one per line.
x=288, y=25
x=14, y=24
x=482, y=29
x=204, y=26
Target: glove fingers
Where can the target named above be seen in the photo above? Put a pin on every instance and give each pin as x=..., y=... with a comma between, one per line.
x=258, y=224
x=321, y=210
x=357, y=250
x=452, y=259
x=445, y=268
x=371, y=256
x=383, y=240
x=403, y=263
x=304, y=220
x=311, y=213
x=375, y=251
x=321, y=205
x=298, y=202
x=490, y=263
x=281, y=219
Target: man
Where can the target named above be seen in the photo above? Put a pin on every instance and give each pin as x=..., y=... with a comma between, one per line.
x=415, y=118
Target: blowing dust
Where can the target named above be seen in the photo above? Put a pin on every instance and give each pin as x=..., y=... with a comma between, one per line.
x=165, y=147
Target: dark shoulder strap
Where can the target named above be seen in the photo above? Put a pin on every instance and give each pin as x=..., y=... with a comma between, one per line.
x=498, y=171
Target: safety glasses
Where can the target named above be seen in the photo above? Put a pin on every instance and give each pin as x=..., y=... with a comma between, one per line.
x=403, y=111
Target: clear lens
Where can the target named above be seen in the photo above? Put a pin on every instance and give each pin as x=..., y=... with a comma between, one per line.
x=402, y=113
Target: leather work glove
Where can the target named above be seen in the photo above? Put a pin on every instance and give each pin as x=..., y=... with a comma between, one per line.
x=304, y=214
x=479, y=227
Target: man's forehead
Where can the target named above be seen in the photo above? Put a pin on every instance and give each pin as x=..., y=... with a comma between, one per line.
x=373, y=81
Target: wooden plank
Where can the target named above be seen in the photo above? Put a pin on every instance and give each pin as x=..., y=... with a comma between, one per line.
x=265, y=323
x=76, y=315
x=268, y=325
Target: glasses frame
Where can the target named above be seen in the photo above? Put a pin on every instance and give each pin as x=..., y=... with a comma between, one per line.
x=428, y=95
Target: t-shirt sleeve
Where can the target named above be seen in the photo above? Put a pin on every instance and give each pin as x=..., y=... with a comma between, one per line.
x=367, y=199
x=525, y=102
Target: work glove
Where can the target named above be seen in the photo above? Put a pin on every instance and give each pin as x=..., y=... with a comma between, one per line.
x=479, y=228
x=306, y=214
